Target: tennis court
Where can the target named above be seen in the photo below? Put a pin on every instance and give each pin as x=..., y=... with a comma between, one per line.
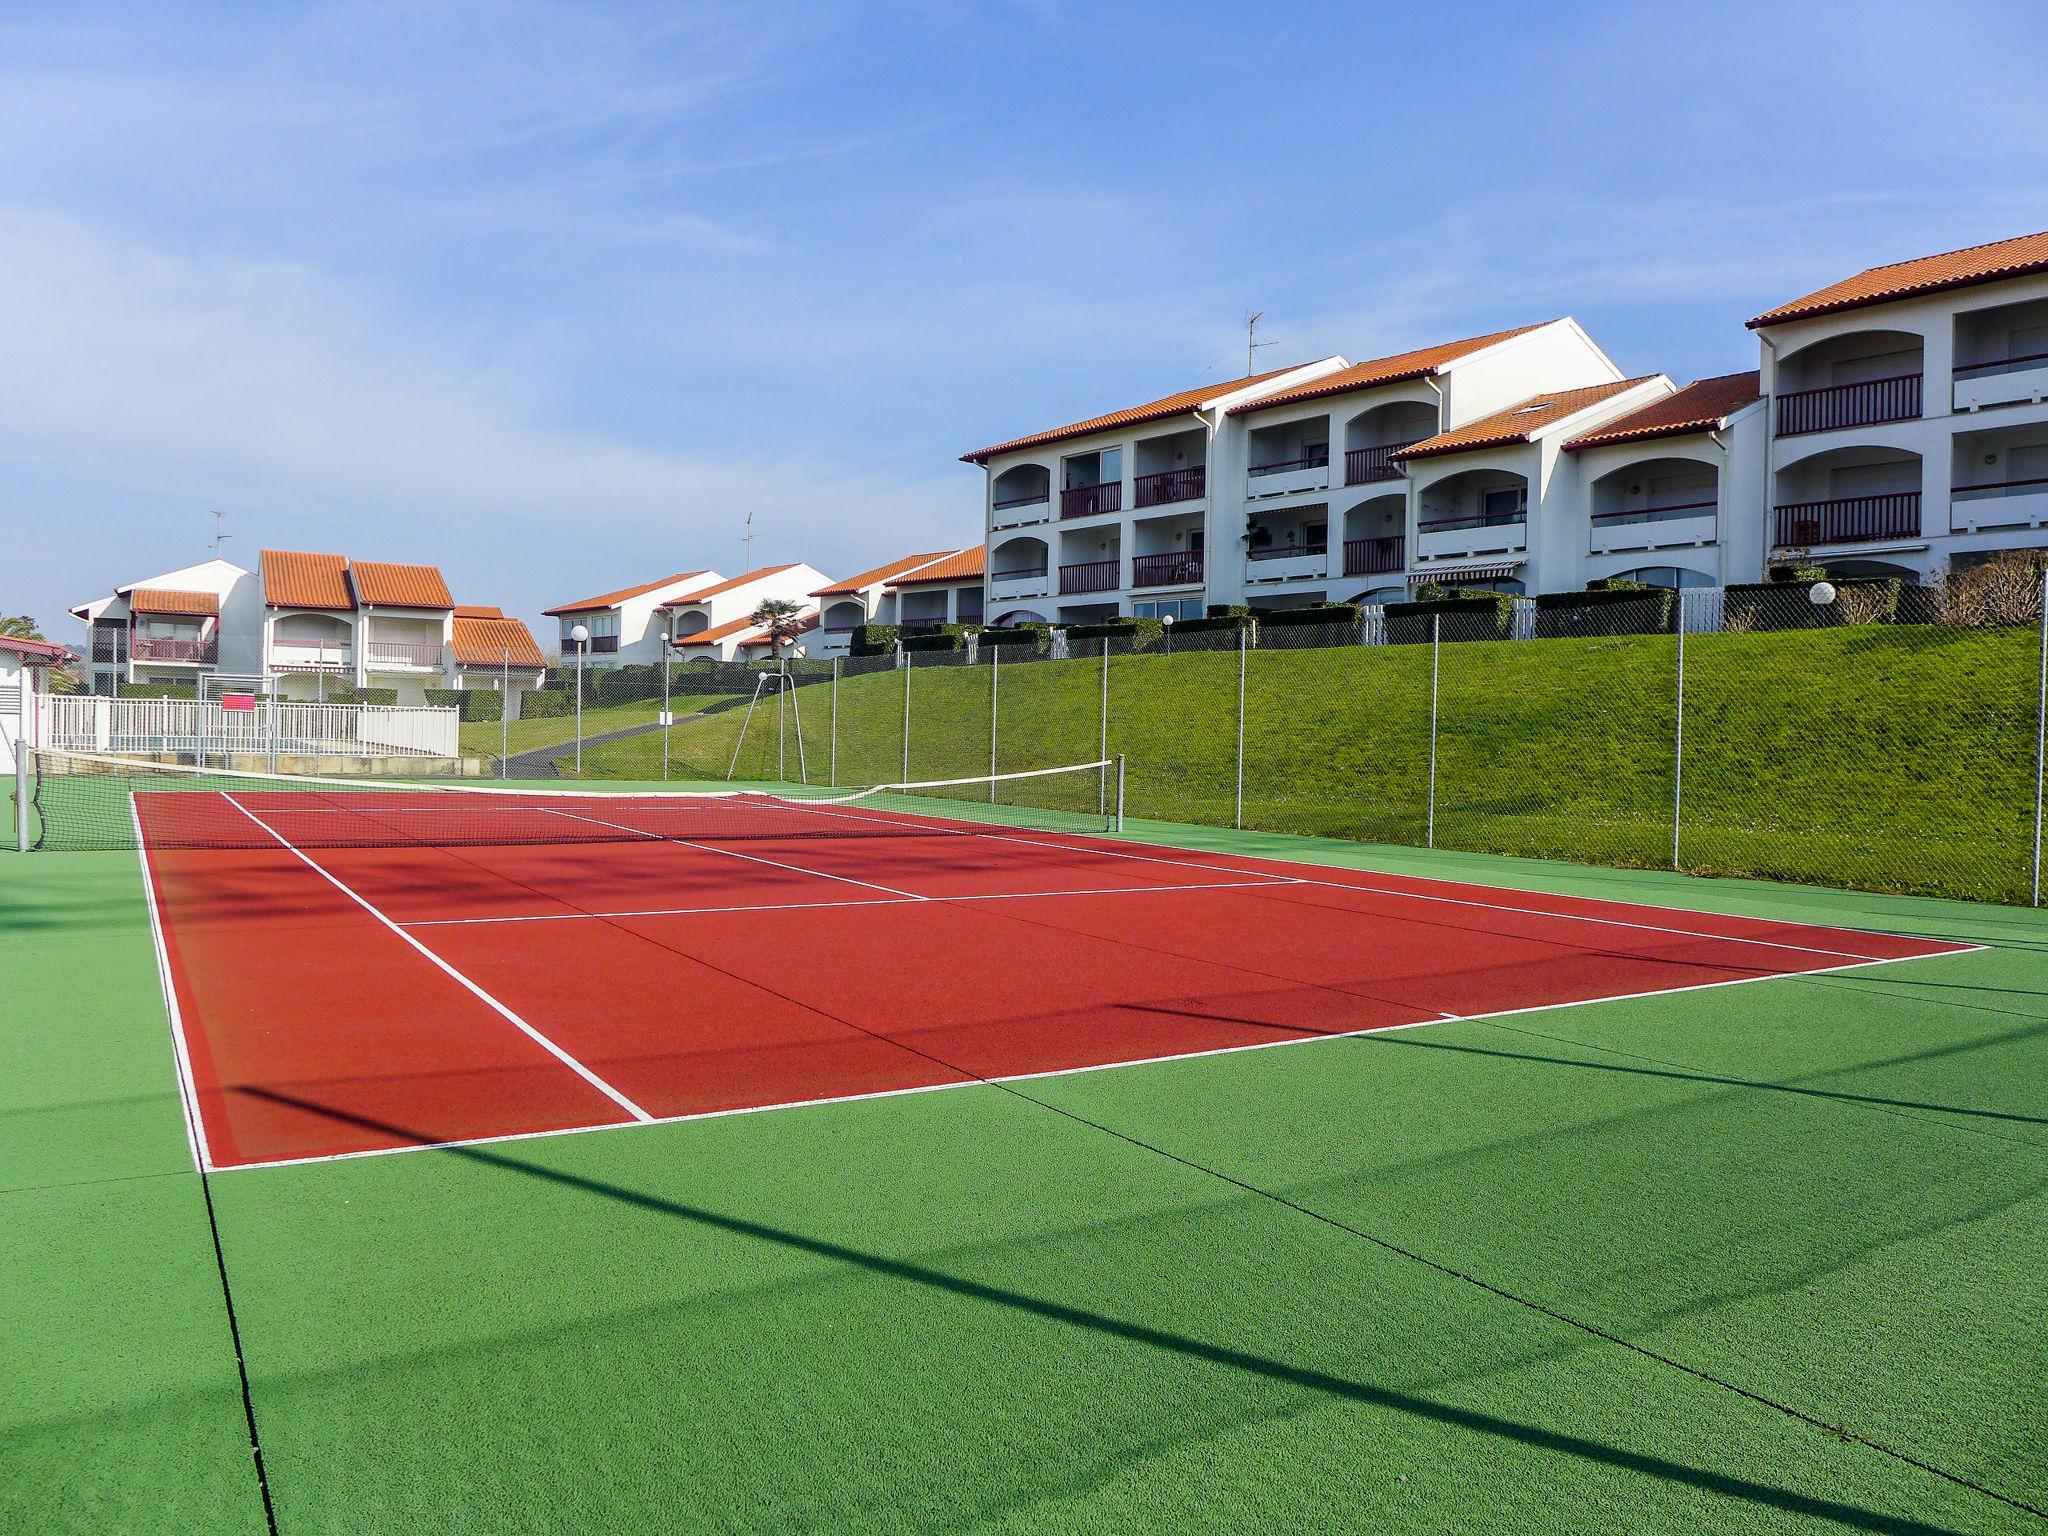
x=478, y=1159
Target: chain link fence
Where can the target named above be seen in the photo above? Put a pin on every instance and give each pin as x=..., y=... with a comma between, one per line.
x=1888, y=739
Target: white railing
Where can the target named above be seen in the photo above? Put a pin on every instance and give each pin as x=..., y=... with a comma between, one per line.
x=183, y=727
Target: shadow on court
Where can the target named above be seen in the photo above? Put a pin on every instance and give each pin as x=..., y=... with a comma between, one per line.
x=1762, y=1495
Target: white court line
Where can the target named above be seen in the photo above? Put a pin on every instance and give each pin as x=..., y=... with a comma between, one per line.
x=497, y=1007
x=188, y=1091
x=751, y=858
x=1103, y=1066
x=877, y=901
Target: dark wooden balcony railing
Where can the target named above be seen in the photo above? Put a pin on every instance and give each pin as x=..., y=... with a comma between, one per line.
x=1024, y=498
x=1991, y=489
x=1090, y=576
x=176, y=648
x=1663, y=514
x=1849, y=405
x=1364, y=466
x=1374, y=557
x=1289, y=551
x=1847, y=520
x=1176, y=568
x=1316, y=456
x=1170, y=485
x=1087, y=500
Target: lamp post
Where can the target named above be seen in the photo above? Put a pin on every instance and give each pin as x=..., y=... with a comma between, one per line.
x=581, y=636
x=1166, y=627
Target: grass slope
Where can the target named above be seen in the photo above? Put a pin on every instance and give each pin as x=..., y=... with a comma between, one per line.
x=1897, y=759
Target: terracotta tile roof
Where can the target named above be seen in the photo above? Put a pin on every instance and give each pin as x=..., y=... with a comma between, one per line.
x=384, y=585
x=483, y=636
x=613, y=599
x=1153, y=410
x=477, y=611
x=880, y=574
x=295, y=580
x=964, y=565
x=1702, y=406
x=714, y=633
x=1924, y=274
x=171, y=600
x=1420, y=363
x=704, y=594
x=1518, y=423
x=35, y=652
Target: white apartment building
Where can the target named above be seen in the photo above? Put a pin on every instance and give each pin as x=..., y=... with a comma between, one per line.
x=626, y=626
x=712, y=621
x=1909, y=424
x=845, y=606
x=307, y=624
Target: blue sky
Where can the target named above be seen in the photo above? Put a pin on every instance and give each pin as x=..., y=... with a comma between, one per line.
x=554, y=295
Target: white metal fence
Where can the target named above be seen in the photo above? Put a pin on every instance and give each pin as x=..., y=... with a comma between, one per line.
x=189, y=728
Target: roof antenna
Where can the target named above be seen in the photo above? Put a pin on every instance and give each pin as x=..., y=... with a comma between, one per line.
x=1252, y=342
x=747, y=539
x=219, y=538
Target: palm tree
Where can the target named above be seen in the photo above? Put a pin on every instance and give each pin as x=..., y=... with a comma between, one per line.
x=784, y=621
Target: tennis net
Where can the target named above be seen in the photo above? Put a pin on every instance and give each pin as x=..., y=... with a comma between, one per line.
x=82, y=801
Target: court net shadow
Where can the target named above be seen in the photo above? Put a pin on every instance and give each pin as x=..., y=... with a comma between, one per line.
x=1306, y=1378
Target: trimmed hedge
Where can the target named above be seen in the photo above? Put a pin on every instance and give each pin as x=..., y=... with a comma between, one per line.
x=1617, y=609
x=1011, y=637
x=1752, y=607
x=1474, y=616
x=1140, y=632
x=475, y=703
x=1225, y=611
x=156, y=690
x=1282, y=629
x=938, y=642
x=546, y=704
x=1215, y=622
x=1316, y=613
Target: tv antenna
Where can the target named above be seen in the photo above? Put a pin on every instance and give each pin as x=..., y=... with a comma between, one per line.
x=1252, y=342
x=219, y=538
x=747, y=540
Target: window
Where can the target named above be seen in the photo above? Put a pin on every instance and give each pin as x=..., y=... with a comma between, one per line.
x=970, y=605
x=1315, y=538
x=1109, y=466
x=1174, y=608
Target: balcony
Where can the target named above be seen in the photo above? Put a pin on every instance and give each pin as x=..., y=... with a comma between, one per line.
x=1171, y=485
x=1369, y=466
x=1999, y=504
x=109, y=646
x=425, y=656
x=1684, y=522
x=1310, y=471
x=1087, y=500
x=1375, y=557
x=1017, y=508
x=1288, y=562
x=1849, y=405
x=1495, y=533
x=1089, y=576
x=1175, y=568
x=1847, y=520
x=191, y=650
x=1019, y=581
x=2020, y=380
x=311, y=656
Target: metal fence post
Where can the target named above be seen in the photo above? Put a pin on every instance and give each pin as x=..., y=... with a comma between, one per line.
x=505, y=712
x=2040, y=736
x=903, y=656
x=832, y=770
x=781, y=712
x=995, y=681
x=1102, y=750
x=1244, y=633
x=666, y=708
x=1436, y=636
x=1678, y=738
x=23, y=705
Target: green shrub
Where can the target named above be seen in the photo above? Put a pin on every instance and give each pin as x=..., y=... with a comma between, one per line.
x=1629, y=608
x=1469, y=615
x=156, y=690
x=547, y=704
x=1319, y=613
x=875, y=639
x=1224, y=611
x=1215, y=622
x=1019, y=635
x=935, y=642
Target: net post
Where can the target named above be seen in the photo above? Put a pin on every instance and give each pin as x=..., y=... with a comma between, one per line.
x=1102, y=747
x=832, y=773
x=1243, y=646
x=21, y=751
x=1678, y=736
x=1436, y=636
x=1119, y=791
x=995, y=680
x=2040, y=737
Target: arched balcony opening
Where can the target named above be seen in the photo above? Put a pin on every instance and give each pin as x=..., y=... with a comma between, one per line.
x=1654, y=504
x=1373, y=437
x=1019, y=568
x=1375, y=541
x=1860, y=379
x=1020, y=494
x=1847, y=496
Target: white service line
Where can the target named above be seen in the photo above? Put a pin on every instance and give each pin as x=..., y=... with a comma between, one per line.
x=751, y=858
x=478, y=992
x=188, y=1090
x=876, y=901
x=1100, y=1066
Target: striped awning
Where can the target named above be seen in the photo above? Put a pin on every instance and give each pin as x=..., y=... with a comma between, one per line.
x=1491, y=572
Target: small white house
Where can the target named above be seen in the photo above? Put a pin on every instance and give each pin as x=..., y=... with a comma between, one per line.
x=713, y=621
x=625, y=626
x=175, y=628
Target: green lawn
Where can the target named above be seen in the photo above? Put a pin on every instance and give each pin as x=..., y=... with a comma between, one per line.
x=1759, y=1259
x=483, y=738
x=1891, y=758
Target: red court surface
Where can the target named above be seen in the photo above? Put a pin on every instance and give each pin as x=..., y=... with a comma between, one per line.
x=340, y=1001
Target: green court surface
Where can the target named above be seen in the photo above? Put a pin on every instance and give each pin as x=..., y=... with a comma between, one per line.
x=1771, y=1257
